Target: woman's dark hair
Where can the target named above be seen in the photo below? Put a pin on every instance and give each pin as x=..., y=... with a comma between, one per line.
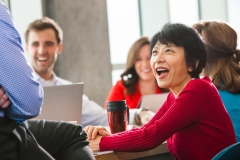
x=186, y=37
x=223, y=59
x=129, y=76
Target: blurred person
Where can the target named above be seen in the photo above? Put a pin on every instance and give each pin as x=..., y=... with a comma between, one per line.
x=223, y=65
x=137, y=79
x=44, y=42
x=192, y=118
x=21, y=99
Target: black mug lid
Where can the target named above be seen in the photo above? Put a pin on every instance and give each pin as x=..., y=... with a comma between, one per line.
x=116, y=105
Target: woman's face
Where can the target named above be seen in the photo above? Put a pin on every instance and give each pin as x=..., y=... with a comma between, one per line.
x=142, y=64
x=169, y=66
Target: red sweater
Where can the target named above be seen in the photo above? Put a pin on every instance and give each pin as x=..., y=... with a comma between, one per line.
x=195, y=125
x=118, y=93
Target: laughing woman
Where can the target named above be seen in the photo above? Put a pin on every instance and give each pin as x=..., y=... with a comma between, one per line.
x=193, y=119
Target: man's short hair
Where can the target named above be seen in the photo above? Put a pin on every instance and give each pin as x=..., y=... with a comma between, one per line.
x=42, y=24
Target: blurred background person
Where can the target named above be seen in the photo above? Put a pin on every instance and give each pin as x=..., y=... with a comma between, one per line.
x=137, y=79
x=223, y=65
x=192, y=118
x=44, y=42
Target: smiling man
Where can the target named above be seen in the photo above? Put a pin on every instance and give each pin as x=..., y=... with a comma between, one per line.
x=44, y=39
x=43, y=45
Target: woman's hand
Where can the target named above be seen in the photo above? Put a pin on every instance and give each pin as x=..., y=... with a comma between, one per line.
x=94, y=143
x=4, y=101
x=93, y=131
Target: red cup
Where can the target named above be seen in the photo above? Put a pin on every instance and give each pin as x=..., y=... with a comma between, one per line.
x=117, y=116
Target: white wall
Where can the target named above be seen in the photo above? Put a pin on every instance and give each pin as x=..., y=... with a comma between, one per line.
x=6, y=2
x=184, y=11
x=233, y=7
x=153, y=15
x=214, y=10
x=124, y=30
x=24, y=12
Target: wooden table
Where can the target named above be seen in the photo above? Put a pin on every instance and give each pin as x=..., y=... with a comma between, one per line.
x=161, y=152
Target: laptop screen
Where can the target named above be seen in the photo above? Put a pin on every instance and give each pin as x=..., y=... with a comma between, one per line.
x=153, y=102
x=62, y=102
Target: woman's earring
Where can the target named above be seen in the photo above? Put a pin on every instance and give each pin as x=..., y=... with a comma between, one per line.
x=235, y=56
x=129, y=76
x=125, y=78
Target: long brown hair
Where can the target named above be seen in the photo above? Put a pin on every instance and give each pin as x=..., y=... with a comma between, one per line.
x=223, y=57
x=129, y=76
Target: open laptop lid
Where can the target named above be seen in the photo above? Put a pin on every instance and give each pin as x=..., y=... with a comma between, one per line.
x=62, y=102
x=153, y=102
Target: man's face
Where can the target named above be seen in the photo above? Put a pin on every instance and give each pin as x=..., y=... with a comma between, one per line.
x=42, y=48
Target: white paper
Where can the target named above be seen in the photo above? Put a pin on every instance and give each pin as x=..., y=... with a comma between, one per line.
x=101, y=152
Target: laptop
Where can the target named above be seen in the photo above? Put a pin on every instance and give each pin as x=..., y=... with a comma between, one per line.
x=153, y=102
x=62, y=102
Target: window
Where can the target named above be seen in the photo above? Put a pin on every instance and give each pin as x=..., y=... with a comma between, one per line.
x=124, y=30
x=184, y=11
x=233, y=7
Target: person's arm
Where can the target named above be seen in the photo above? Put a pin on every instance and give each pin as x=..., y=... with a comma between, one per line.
x=95, y=133
x=92, y=113
x=132, y=112
x=16, y=75
x=183, y=111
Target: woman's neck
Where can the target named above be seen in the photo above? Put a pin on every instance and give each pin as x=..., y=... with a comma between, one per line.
x=179, y=88
x=147, y=87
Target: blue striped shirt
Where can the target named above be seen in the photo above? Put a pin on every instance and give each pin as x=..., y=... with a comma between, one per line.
x=16, y=76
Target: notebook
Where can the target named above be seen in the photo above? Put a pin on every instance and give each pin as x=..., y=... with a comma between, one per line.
x=153, y=102
x=62, y=102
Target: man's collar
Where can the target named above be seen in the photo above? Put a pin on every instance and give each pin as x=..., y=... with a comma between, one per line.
x=38, y=77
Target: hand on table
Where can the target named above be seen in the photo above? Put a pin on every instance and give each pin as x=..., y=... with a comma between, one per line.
x=95, y=133
x=4, y=101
